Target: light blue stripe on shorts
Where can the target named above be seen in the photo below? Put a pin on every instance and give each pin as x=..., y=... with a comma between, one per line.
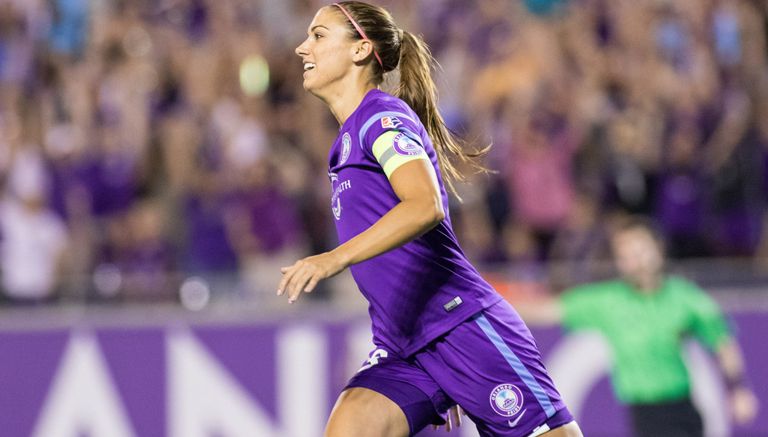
x=517, y=365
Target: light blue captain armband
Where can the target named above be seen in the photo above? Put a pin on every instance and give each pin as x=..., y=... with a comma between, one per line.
x=394, y=148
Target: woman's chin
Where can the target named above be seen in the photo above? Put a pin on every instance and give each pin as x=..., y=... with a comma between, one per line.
x=311, y=88
x=307, y=84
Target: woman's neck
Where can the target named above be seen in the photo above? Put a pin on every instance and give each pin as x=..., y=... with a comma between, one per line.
x=345, y=100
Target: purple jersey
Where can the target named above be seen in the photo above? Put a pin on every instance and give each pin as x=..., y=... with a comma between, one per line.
x=426, y=287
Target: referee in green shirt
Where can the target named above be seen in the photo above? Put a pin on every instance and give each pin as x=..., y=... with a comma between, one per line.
x=644, y=316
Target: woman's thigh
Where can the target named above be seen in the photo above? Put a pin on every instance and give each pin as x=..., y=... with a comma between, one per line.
x=387, y=392
x=361, y=412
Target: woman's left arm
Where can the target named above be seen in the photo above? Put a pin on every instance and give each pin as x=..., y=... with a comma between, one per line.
x=420, y=209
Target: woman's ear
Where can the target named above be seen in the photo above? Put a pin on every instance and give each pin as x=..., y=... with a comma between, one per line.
x=362, y=50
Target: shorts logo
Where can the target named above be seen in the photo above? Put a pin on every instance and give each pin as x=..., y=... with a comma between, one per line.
x=346, y=147
x=390, y=122
x=403, y=145
x=506, y=400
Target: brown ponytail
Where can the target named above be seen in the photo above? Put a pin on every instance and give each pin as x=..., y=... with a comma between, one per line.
x=399, y=48
x=418, y=90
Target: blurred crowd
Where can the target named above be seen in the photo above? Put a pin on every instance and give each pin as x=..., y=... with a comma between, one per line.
x=153, y=146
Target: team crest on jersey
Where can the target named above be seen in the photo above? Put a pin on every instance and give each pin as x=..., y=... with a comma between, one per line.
x=390, y=122
x=404, y=145
x=506, y=400
x=346, y=148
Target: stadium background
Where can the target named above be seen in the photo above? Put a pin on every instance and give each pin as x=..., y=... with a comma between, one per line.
x=160, y=161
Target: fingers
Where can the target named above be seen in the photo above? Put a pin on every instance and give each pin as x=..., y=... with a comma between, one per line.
x=459, y=413
x=312, y=283
x=288, y=273
x=297, y=284
x=301, y=276
x=453, y=418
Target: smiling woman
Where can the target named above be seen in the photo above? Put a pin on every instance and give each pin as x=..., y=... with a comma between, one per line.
x=443, y=336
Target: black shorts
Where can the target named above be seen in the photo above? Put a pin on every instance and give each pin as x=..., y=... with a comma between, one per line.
x=666, y=419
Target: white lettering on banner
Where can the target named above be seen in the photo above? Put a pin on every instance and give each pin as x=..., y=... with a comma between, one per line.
x=585, y=351
x=302, y=363
x=204, y=399
x=360, y=345
x=83, y=399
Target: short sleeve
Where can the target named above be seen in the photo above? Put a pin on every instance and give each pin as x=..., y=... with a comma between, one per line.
x=582, y=307
x=707, y=322
x=390, y=120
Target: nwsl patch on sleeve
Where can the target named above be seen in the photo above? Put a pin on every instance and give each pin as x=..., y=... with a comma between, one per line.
x=390, y=122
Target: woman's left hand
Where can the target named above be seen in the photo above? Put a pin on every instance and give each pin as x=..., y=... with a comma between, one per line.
x=452, y=418
x=305, y=273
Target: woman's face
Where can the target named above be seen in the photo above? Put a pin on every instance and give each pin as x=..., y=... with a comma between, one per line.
x=637, y=253
x=328, y=52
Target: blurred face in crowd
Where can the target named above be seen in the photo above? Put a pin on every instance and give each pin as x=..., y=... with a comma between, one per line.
x=638, y=255
x=328, y=51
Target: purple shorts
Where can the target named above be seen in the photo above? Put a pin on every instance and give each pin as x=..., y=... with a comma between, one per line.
x=489, y=365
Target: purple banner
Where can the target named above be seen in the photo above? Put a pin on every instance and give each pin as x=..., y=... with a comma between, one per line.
x=275, y=379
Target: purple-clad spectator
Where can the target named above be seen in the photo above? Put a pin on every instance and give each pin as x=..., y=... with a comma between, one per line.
x=273, y=221
x=580, y=246
x=264, y=229
x=141, y=254
x=680, y=192
x=16, y=46
x=110, y=174
x=106, y=187
x=207, y=248
x=736, y=148
x=540, y=180
x=739, y=201
x=208, y=254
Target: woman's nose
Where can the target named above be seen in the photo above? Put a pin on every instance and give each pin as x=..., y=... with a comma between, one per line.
x=301, y=50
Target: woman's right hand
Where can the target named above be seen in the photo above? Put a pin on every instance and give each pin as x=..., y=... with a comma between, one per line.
x=305, y=273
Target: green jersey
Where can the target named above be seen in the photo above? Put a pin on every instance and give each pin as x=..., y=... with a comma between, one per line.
x=645, y=332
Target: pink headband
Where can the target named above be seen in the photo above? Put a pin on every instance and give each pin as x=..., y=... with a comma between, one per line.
x=360, y=31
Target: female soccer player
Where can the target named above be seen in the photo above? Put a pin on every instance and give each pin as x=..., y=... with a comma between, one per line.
x=443, y=336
